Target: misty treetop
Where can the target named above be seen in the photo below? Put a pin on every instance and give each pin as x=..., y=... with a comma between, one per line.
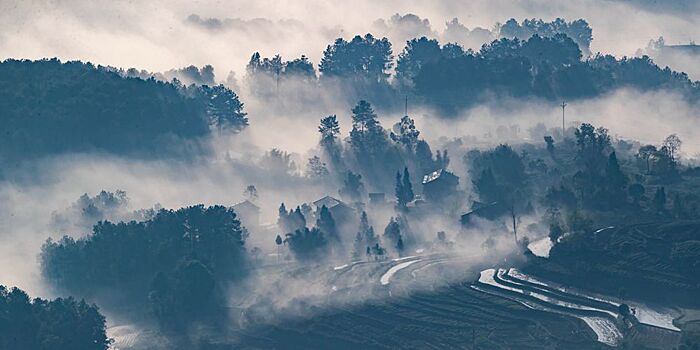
x=360, y=58
x=578, y=30
x=50, y=107
x=59, y=324
x=133, y=258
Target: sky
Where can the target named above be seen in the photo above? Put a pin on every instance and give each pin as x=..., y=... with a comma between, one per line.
x=159, y=35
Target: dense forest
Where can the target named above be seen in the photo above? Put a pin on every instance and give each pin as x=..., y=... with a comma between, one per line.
x=49, y=107
x=60, y=324
x=620, y=214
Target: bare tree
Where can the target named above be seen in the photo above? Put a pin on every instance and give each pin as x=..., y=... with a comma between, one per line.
x=673, y=144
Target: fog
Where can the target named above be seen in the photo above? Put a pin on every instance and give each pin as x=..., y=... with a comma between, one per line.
x=32, y=194
x=161, y=35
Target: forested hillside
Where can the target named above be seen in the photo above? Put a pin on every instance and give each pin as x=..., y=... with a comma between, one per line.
x=48, y=107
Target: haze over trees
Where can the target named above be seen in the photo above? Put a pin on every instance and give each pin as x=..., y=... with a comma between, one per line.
x=59, y=324
x=87, y=108
x=151, y=262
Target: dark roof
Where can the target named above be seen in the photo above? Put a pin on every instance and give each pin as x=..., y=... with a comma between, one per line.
x=246, y=205
x=328, y=201
x=437, y=174
x=489, y=211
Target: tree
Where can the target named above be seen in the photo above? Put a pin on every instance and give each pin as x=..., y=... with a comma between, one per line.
x=616, y=181
x=555, y=232
x=127, y=255
x=501, y=171
x=327, y=225
x=278, y=243
x=392, y=233
x=251, y=193
x=406, y=134
x=362, y=57
x=329, y=129
x=407, y=187
x=659, y=201
x=636, y=191
x=307, y=245
x=59, y=324
x=404, y=188
x=416, y=53
x=224, y=108
x=400, y=246
x=645, y=153
x=550, y=144
x=673, y=145
x=300, y=68
x=367, y=231
x=368, y=139
x=592, y=144
x=316, y=168
x=424, y=157
x=352, y=189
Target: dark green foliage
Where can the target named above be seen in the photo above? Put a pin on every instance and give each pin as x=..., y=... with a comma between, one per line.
x=327, y=225
x=501, y=172
x=127, y=256
x=188, y=294
x=615, y=182
x=290, y=221
x=550, y=144
x=659, y=201
x=406, y=134
x=579, y=30
x=404, y=188
x=60, y=324
x=329, y=129
x=266, y=75
x=352, y=189
x=224, y=109
x=636, y=191
x=645, y=153
x=392, y=235
x=543, y=67
x=368, y=138
x=365, y=237
x=416, y=53
x=555, y=232
x=50, y=107
x=592, y=147
x=307, y=245
x=360, y=58
x=561, y=197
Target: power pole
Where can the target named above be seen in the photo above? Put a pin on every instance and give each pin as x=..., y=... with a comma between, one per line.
x=405, y=108
x=563, y=119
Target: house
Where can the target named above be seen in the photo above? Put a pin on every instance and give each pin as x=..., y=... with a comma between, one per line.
x=439, y=184
x=489, y=211
x=339, y=210
x=248, y=213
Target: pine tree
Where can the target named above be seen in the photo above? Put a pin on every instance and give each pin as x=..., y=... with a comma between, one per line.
x=407, y=187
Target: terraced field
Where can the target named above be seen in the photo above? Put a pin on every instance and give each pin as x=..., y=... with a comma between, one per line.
x=415, y=303
x=442, y=315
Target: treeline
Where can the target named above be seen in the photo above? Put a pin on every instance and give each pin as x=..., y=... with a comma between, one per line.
x=177, y=262
x=49, y=107
x=534, y=60
x=38, y=324
x=583, y=178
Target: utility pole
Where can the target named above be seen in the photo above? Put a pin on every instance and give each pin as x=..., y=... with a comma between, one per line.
x=563, y=120
x=405, y=107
